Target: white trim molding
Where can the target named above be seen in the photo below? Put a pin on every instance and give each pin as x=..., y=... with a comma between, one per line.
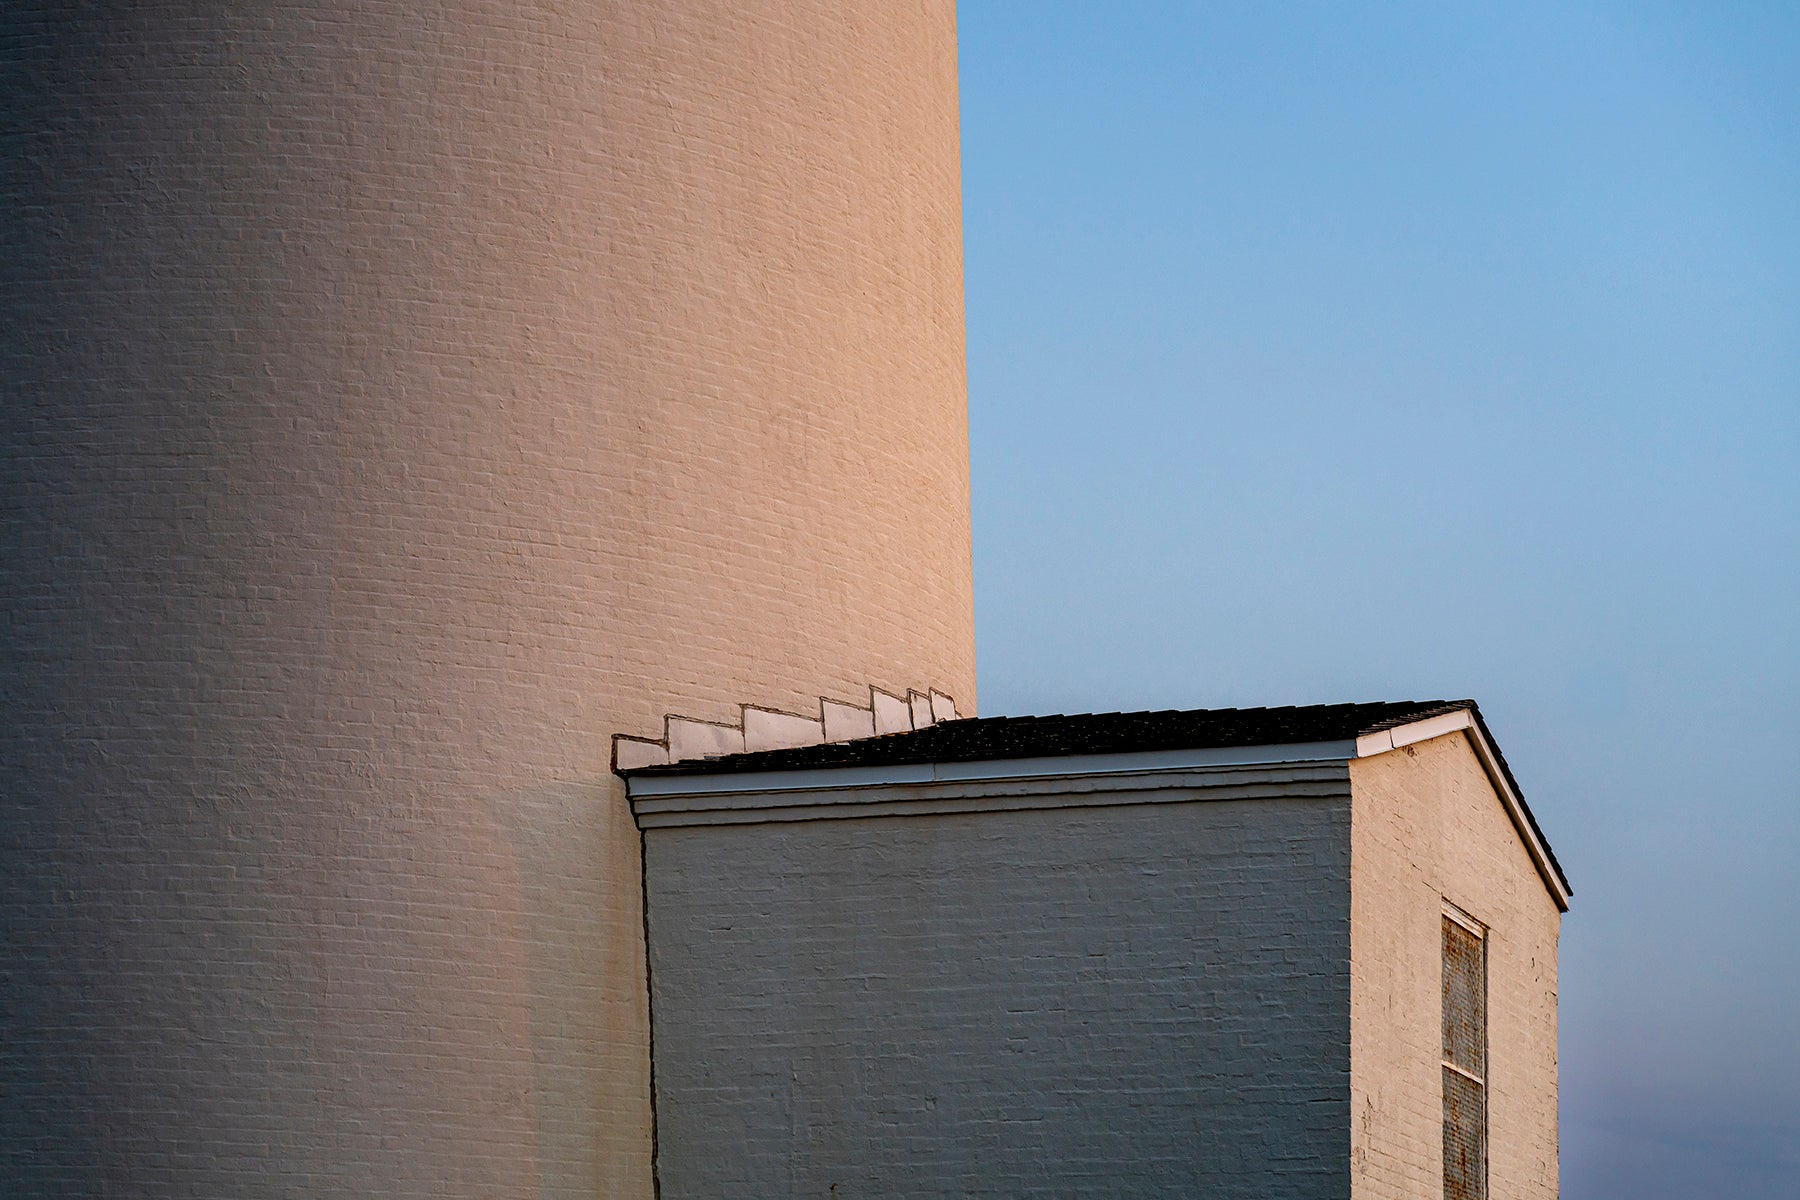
x=927, y=789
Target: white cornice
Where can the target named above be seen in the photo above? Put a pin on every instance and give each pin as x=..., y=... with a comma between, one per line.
x=1061, y=766
x=822, y=798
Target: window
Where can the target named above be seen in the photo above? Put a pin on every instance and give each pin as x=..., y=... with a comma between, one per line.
x=1465, y=1058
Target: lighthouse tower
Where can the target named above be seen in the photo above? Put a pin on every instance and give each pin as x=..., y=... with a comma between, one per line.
x=397, y=400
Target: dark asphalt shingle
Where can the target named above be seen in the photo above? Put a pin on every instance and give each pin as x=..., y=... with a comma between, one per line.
x=973, y=739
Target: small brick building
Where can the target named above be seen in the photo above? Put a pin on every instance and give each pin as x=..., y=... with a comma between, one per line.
x=1291, y=952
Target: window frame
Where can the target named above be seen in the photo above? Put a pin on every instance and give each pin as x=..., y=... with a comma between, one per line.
x=1481, y=932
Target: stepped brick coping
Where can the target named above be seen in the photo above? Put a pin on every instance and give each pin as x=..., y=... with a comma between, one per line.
x=758, y=729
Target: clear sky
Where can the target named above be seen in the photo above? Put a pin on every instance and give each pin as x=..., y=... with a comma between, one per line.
x=1355, y=352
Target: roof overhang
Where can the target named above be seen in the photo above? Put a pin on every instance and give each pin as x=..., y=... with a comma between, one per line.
x=812, y=793
x=1051, y=767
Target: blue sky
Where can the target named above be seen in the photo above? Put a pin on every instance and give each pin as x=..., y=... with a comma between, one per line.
x=1328, y=352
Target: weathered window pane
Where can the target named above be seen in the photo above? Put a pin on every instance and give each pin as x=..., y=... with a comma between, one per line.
x=1465, y=1138
x=1465, y=1000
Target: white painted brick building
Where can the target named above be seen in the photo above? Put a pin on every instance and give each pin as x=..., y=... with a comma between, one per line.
x=1132, y=954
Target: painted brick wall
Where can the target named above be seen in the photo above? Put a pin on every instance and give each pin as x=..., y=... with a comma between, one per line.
x=1429, y=827
x=397, y=400
x=1137, y=1000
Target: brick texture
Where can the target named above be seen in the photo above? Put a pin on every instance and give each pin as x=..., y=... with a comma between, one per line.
x=397, y=400
x=1428, y=827
x=1148, y=999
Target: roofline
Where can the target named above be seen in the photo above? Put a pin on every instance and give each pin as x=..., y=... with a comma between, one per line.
x=1464, y=718
x=1057, y=766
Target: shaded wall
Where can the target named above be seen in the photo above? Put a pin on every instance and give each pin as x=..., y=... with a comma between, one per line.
x=1141, y=999
x=395, y=401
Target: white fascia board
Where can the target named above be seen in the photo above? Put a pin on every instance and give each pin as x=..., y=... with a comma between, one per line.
x=1464, y=721
x=1062, y=766
x=1264, y=781
x=1418, y=731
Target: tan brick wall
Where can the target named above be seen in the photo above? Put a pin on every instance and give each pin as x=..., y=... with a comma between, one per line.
x=398, y=400
x=1427, y=826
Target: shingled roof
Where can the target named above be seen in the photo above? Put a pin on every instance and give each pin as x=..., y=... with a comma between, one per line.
x=976, y=739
